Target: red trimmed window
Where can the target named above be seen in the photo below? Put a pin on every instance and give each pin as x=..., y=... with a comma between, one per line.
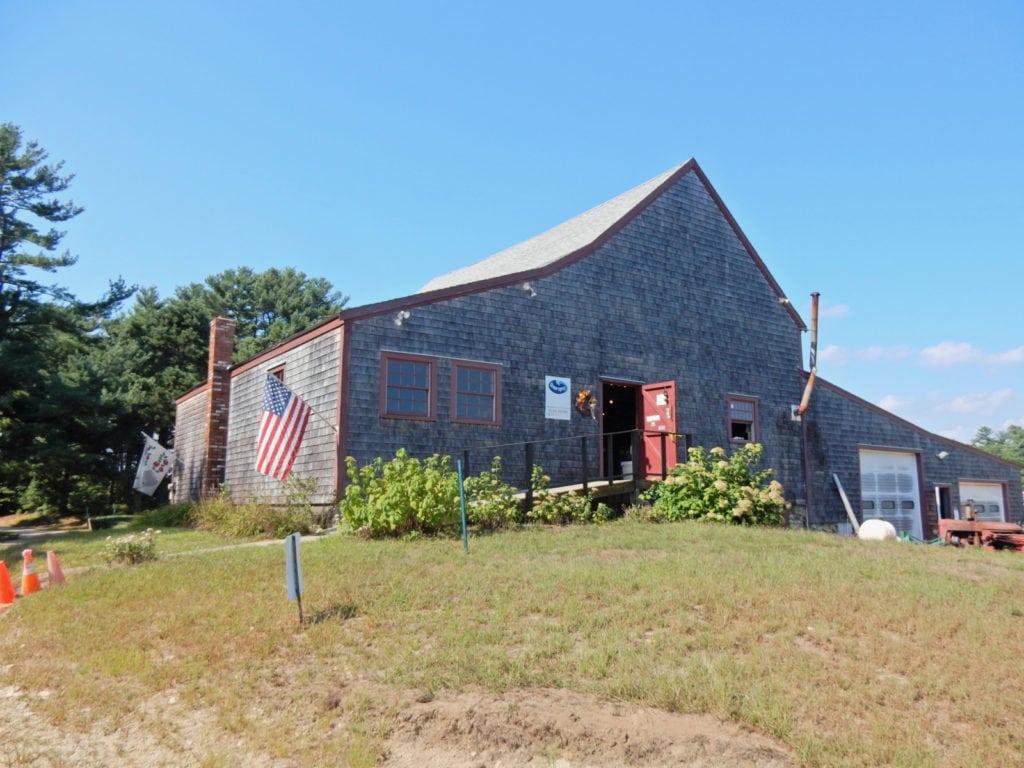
x=408, y=386
x=742, y=419
x=476, y=393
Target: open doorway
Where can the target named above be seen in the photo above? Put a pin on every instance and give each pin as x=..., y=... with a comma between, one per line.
x=620, y=413
x=943, y=502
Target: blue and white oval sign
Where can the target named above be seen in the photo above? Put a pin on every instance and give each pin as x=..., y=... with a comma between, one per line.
x=558, y=386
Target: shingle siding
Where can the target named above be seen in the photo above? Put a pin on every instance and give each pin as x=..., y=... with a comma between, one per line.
x=189, y=446
x=311, y=372
x=673, y=296
x=839, y=424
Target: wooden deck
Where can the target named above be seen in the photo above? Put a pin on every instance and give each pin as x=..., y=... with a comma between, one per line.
x=600, y=488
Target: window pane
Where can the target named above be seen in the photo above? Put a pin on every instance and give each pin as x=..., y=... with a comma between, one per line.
x=741, y=409
x=475, y=407
x=476, y=380
x=413, y=401
x=408, y=388
x=474, y=396
x=406, y=373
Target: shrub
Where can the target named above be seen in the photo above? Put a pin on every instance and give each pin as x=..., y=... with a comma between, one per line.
x=223, y=516
x=408, y=497
x=490, y=501
x=642, y=513
x=401, y=497
x=214, y=514
x=256, y=519
x=563, y=508
x=710, y=486
x=132, y=549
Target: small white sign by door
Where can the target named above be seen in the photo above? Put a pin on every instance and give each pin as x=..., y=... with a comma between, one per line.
x=557, y=398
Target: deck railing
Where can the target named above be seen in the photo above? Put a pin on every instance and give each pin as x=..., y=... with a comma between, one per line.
x=570, y=460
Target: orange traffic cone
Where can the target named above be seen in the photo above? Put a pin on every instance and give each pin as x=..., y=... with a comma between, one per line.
x=6, y=585
x=29, y=577
x=56, y=575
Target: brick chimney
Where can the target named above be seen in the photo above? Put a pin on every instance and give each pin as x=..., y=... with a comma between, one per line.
x=222, y=346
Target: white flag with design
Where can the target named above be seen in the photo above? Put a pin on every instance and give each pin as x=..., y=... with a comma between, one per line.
x=155, y=464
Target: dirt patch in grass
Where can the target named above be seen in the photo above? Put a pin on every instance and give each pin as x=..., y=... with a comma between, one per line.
x=567, y=729
x=518, y=729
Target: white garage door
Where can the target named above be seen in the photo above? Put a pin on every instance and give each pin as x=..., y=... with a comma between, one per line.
x=891, y=490
x=986, y=498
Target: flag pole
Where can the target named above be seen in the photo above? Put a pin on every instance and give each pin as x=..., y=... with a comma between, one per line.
x=324, y=420
x=314, y=412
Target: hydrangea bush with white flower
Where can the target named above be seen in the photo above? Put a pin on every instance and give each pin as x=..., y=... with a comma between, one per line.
x=713, y=486
x=132, y=549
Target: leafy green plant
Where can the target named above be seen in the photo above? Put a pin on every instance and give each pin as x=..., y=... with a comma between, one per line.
x=490, y=501
x=299, y=492
x=403, y=496
x=563, y=508
x=131, y=549
x=711, y=486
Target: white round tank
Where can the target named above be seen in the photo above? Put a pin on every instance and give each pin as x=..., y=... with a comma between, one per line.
x=877, y=530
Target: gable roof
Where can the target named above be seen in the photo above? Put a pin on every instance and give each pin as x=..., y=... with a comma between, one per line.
x=550, y=251
x=577, y=237
x=563, y=240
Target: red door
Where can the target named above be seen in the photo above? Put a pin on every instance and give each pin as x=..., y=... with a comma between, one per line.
x=659, y=428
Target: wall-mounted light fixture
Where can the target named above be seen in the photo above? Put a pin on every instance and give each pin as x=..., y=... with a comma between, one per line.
x=529, y=289
x=402, y=316
x=943, y=455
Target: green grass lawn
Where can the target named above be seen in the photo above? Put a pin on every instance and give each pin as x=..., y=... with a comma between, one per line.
x=849, y=653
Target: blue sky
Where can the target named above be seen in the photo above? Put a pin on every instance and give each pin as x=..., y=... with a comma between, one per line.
x=871, y=151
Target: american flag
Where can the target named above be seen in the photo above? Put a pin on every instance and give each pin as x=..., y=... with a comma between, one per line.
x=282, y=426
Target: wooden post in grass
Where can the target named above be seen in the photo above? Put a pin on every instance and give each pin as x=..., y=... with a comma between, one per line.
x=293, y=572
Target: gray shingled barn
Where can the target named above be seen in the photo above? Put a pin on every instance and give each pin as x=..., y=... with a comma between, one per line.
x=657, y=305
